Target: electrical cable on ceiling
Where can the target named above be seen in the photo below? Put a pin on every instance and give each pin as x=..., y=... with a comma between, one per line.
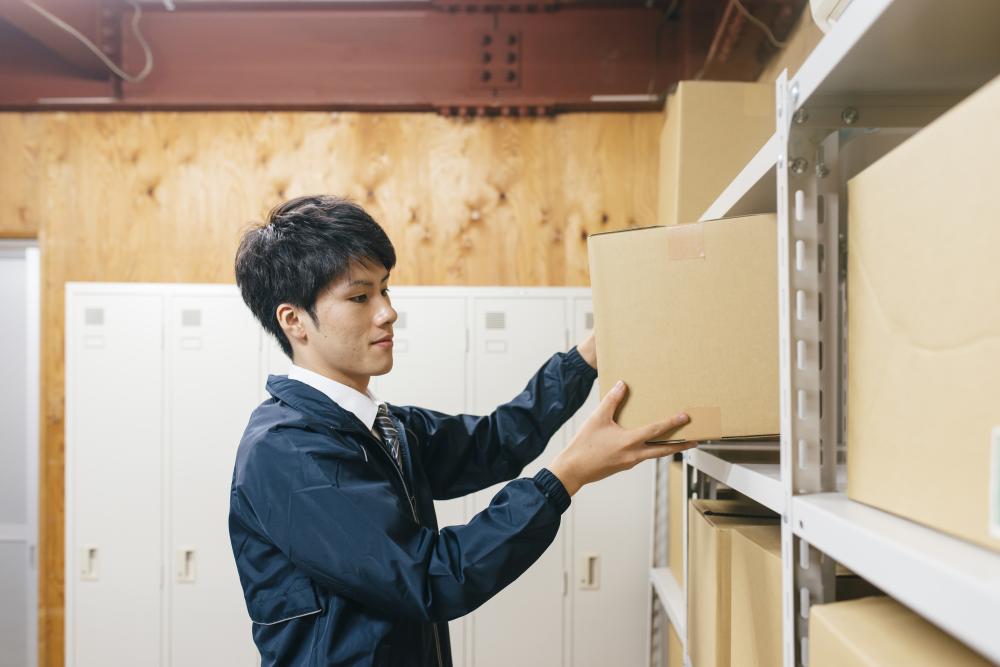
x=775, y=42
x=753, y=19
x=136, y=15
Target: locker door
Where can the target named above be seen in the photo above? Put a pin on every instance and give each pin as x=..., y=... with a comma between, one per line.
x=429, y=370
x=610, y=554
x=512, y=337
x=114, y=411
x=213, y=351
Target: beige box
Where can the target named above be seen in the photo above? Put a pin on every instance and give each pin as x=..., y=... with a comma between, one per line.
x=675, y=521
x=924, y=326
x=710, y=526
x=711, y=130
x=675, y=650
x=756, y=595
x=687, y=316
x=880, y=632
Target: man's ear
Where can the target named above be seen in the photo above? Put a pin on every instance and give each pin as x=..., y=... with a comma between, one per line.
x=290, y=321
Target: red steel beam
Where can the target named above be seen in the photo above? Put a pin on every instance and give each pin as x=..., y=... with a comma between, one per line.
x=470, y=57
x=85, y=17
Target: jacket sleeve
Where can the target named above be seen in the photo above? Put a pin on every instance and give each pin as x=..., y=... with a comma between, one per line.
x=343, y=526
x=463, y=453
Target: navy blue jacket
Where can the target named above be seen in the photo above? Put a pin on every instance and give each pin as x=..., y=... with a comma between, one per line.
x=340, y=556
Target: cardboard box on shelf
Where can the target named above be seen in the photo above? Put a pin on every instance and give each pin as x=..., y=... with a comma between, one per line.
x=675, y=650
x=710, y=526
x=924, y=326
x=756, y=639
x=711, y=130
x=687, y=316
x=880, y=632
x=675, y=520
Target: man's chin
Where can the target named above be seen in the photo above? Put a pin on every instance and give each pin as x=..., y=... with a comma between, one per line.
x=382, y=369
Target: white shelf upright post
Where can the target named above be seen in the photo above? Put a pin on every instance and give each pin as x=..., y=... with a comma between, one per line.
x=809, y=314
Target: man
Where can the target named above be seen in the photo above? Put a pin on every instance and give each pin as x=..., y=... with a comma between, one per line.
x=332, y=518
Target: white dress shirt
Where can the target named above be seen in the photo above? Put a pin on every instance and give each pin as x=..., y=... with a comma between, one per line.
x=363, y=406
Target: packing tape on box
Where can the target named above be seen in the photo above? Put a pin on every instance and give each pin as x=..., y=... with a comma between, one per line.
x=686, y=241
x=706, y=419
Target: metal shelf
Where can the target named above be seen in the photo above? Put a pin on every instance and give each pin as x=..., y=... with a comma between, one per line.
x=761, y=482
x=896, y=47
x=952, y=583
x=671, y=597
x=753, y=190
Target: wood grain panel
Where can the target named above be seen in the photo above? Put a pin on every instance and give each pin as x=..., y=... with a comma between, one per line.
x=163, y=197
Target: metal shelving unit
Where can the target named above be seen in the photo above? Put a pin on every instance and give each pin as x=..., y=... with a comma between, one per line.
x=886, y=64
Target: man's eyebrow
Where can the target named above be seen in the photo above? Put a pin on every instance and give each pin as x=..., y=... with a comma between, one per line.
x=365, y=282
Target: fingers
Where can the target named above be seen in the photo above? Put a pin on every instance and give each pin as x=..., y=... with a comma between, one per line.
x=611, y=401
x=658, y=451
x=659, y=429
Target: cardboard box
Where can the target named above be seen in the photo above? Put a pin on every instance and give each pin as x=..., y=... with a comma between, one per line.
x=675, y=650
x=880, y=632
x=675, y=521
x=687, y=316
x=711, y=130
x=924, y=326
x=756, y=639
x=710, y=526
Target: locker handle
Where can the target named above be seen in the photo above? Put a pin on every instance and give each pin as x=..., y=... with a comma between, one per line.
x=186, y=566
x=590, y=571
x=88, y=572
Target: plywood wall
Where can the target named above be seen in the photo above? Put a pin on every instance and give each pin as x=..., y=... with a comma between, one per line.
x=162, y=197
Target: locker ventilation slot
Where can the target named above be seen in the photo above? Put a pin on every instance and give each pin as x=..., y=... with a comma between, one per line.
x=497, y=320
x=93, y=316
x=400, y=321
x=191, y=318
x=589, y=321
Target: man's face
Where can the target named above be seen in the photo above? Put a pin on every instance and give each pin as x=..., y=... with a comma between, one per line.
x=351, y=339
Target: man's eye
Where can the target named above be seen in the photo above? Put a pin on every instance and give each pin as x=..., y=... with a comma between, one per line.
x=359, y=299
x=385, y=292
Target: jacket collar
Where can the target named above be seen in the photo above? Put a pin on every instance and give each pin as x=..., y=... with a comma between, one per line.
x=313, y=404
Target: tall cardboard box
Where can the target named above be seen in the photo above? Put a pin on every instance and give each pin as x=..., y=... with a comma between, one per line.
x=756, y=639
x=924, y=326
x=711, y=130
x=675, y=650
x=687, y=316
x=675, y=521
x=710, y=526
x=880, y=632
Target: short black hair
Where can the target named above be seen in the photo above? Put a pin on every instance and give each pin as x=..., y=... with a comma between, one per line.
x=305, y=244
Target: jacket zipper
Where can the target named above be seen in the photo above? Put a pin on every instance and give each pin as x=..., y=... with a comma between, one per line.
x=413, y=510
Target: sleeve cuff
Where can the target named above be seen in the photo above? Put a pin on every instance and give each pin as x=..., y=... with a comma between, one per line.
x=552, y=489
x=580, y=365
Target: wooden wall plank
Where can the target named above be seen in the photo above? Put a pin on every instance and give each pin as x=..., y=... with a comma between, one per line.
x=162, y=197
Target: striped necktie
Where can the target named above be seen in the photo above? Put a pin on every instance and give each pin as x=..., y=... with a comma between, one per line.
x=390, y=436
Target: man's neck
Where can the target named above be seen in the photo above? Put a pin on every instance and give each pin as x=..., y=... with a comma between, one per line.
x=357, y=383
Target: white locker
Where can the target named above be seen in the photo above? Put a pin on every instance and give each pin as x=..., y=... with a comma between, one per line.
x=214, y=381
x=429, y=371
x=511, y=338
x=610, y=545
x=114, y=416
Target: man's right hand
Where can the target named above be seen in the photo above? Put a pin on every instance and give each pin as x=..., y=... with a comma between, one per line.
x=601, y=447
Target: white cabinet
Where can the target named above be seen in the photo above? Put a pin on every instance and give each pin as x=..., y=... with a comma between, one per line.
x=114, y=437
x=159, y=387
x=511, y=338
x=611, y=524
x=213, y=380
x=160, y=382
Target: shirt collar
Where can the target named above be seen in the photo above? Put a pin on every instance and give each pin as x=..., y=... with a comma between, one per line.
x=363, y=406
